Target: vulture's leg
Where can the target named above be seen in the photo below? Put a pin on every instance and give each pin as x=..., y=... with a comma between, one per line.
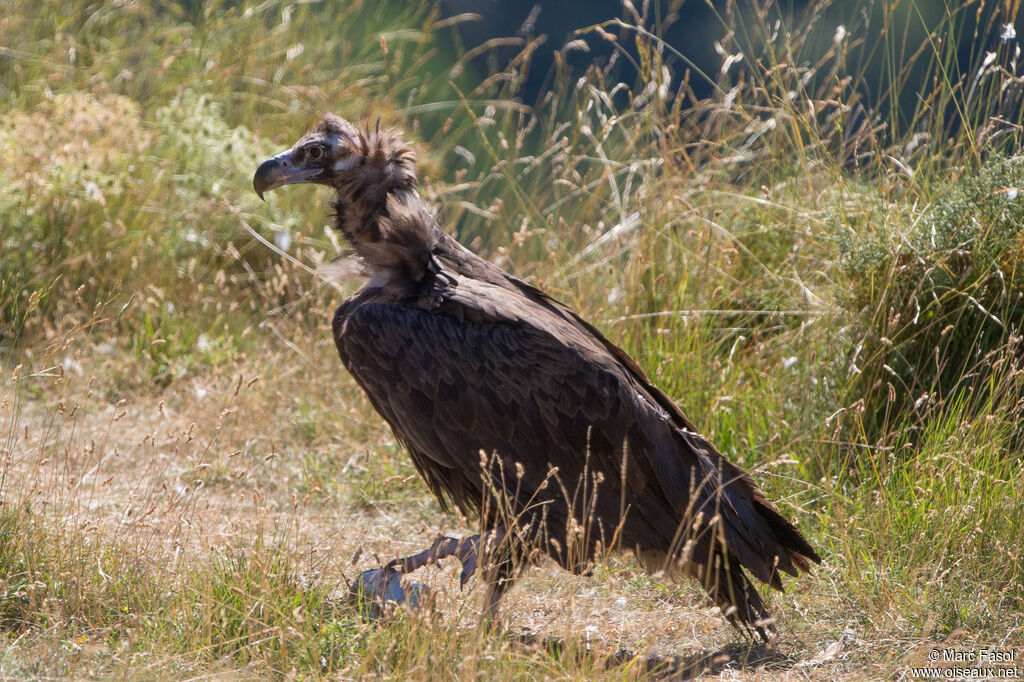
x=384, y=584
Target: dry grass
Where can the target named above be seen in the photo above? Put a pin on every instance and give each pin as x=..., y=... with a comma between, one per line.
x=189, y=478
x=155, y=503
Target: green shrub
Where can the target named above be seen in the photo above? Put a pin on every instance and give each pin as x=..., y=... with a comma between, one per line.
x=942, y=301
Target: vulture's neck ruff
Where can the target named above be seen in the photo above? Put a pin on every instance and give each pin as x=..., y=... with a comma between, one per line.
x=381, y=214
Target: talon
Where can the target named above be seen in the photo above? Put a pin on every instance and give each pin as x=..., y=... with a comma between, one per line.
x=468, y=569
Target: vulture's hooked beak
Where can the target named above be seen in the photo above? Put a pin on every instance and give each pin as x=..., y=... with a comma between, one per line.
x=280, y=170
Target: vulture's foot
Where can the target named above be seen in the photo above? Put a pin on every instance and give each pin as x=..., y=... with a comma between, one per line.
x=375, y=588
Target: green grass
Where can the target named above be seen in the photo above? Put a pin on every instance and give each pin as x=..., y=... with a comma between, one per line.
x=828, y=283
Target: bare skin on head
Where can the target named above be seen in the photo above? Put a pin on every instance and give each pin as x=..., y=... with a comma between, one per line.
x=515, y=409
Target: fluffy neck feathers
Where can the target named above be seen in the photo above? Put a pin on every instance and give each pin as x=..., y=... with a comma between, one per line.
x=380, y=213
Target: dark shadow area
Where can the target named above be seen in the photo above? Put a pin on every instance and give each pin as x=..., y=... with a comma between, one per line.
x=667, y=666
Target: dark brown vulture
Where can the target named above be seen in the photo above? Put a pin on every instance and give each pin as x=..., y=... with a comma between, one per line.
x=516, y=409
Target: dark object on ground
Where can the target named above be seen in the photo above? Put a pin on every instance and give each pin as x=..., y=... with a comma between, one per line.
x=514, y=408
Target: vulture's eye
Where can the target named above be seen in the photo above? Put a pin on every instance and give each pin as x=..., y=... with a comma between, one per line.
x=315, y=152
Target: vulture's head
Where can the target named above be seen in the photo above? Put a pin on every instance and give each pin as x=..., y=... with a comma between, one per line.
x=360, y=165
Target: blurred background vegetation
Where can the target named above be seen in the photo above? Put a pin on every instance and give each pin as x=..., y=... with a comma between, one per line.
x=803, y=219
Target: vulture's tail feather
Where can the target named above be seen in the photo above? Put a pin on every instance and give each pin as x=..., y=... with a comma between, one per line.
x=798, y=553
x=737, y=597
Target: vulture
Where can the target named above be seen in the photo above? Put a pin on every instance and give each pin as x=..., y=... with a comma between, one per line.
x=519, y=412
